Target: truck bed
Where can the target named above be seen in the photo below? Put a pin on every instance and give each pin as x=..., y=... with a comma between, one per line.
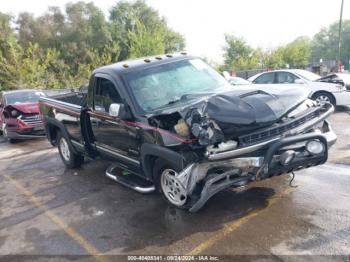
x=73, y=97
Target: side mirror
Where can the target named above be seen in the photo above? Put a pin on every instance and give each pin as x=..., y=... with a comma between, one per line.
x=299, y=81
x=119, y=110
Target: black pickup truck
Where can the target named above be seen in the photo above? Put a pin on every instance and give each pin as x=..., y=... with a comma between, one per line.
x=176, y=126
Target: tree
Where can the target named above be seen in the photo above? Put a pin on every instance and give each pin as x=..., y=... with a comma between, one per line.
x=297, y=53
x=6, y=31
x=143, y=42
x=10, y=52
x=325, y=43
x=238, y=55
x=60, y=48
x=173, y=41
x=129, y=19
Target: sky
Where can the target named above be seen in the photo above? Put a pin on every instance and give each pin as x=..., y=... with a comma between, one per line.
x=203, y=23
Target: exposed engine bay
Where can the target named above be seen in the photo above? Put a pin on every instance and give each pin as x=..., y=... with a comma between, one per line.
x=219, y=120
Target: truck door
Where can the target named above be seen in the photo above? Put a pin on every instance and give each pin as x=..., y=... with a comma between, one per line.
x=114, y=138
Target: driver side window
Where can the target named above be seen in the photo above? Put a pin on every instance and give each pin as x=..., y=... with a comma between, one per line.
x=105, y=94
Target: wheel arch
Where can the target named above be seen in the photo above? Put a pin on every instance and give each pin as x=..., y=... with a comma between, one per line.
x=52, y=127
x=152, y=152
x=324, y=92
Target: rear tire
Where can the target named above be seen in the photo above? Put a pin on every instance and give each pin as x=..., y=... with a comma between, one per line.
x=68, y=156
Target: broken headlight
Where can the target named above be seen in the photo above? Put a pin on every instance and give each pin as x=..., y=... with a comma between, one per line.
x=14, y=113
x=222, y=147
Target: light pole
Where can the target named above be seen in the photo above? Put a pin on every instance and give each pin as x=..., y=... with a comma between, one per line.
x=339, y=34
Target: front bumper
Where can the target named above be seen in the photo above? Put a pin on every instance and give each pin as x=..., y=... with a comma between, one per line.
x=217, y=175
x=26, y=133
x=23, y=128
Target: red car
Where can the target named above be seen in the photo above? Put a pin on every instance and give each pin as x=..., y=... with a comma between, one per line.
x=20, y=116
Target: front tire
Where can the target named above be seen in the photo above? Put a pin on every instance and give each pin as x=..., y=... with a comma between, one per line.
x=68, y=156
x=167, y=184
x=10, y=140
x=324, y=97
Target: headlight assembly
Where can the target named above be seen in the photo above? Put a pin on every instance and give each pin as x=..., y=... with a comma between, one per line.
x=14, y=113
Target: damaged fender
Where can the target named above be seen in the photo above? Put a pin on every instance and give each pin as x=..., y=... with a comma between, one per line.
x=152, y=150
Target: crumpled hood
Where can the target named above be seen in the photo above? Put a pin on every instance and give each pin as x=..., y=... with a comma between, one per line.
x=254, y=105
x=26, y=107
x=238, y=111
x=229, y=113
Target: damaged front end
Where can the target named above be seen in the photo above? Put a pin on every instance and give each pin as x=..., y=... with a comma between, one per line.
x=22, y=123
x=242, y=139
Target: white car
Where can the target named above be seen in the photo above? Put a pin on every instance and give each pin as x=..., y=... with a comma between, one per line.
x=237, y=81
x=322, y=92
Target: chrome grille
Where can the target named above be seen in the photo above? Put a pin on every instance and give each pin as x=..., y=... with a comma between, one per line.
x=264, y=135
x=31, y=119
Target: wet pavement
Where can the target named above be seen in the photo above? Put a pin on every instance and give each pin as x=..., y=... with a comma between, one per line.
x=46, y=209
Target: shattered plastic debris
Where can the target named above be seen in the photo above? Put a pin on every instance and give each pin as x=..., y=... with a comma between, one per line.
x=204, y=129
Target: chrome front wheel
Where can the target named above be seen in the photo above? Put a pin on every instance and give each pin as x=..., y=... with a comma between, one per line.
x=172, y=188
x=322, y=99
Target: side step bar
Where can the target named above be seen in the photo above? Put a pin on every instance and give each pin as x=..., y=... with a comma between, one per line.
x=132, y=184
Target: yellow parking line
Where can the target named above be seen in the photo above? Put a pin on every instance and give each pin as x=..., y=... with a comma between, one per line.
x=229, y=228
x=56, y=220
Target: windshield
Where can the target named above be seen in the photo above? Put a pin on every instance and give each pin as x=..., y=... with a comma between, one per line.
x=167, y=84
x=307, y=75
x=22, y=97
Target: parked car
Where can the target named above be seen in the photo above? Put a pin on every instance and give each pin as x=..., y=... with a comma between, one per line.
x=178, y=127
x=337, y=78
x=237, y=81
x=321, y=92
x=19, y=115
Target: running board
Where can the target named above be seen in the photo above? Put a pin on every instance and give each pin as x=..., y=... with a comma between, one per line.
x=144, y=189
